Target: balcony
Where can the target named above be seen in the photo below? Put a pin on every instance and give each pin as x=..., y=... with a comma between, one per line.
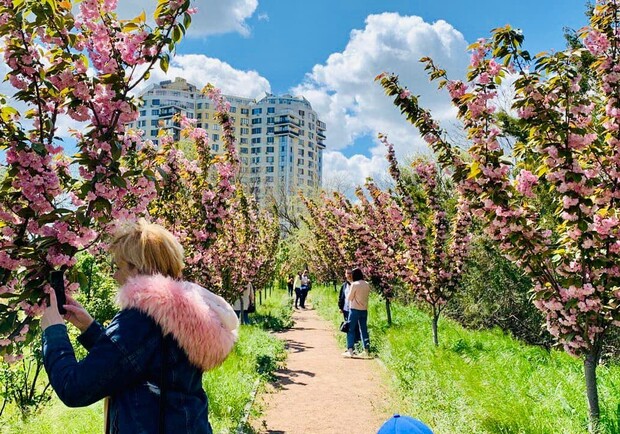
x=286, y=130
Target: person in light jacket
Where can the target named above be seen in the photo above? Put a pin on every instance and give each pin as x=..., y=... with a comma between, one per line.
x=248, y=298
x=358, y=313
x=297, y=286
x=150, y=359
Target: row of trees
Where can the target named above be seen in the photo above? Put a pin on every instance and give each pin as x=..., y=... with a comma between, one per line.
x=411, y=242
x=83, y=68
x=542, y=178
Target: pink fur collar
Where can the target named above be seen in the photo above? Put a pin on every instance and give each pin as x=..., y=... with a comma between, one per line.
x=203, y=324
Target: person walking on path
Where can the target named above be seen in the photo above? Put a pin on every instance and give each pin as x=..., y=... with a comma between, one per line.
x=305, y=287
x=358, y=314
x=289, y=285
x=297, y=286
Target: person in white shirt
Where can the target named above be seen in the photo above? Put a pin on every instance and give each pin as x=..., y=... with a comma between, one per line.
x=305, y=287
x=297, y=286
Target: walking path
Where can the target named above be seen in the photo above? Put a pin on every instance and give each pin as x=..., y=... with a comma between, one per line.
x=319, y=391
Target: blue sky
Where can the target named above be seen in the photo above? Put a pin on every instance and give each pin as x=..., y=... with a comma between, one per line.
x=287, y=37
x=330, y=51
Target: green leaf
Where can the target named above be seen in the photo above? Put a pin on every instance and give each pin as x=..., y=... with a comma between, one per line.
x=164, y=62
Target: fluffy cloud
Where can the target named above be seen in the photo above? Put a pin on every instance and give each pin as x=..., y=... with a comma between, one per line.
x=213, y=16
x=343, y=90
x=199, y=70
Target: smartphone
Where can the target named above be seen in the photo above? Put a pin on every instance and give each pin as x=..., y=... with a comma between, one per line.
x=57, y=281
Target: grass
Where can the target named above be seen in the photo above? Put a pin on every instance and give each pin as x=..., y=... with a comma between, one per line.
x=480, y=381
x=255, y=357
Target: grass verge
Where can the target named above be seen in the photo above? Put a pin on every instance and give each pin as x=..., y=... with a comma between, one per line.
x=256, y=355
x=479, y=381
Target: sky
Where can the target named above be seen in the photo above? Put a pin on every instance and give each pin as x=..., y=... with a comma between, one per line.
x=329, y=51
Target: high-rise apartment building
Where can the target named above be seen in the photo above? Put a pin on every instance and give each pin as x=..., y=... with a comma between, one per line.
x=280, y=139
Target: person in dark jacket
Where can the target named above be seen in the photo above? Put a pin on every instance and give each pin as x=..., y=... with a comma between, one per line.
x=150, y=359
x=343, y=303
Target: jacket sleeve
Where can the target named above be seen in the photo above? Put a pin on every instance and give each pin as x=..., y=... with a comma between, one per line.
x=341, y=297
x=117, y=358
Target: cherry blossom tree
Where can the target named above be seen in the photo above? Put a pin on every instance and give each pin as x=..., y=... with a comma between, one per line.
x=549, y=197
x=53, y=202
x=436, y=243
x=228, y=240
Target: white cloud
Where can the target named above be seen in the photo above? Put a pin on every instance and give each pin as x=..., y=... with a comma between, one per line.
x=199, y=70
x=343, y=174
x=345, y=95
x=213, y=16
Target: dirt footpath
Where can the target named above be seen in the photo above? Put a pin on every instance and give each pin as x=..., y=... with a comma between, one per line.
x=319, y=391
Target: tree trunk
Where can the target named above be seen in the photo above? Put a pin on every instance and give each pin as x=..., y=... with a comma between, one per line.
x=388, y=311
x=435, y=333
x=590, y=363
x=260, y=296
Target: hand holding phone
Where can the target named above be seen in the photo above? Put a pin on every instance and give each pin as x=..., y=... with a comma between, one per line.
x=57, y=281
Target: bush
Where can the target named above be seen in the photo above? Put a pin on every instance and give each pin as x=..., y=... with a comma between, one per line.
x=495, y=293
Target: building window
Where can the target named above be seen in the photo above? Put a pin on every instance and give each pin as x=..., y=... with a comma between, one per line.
x=155, y=102
x=300, y=152
x=215, y=147
x=199, y=105
x=153, y=132
x=269, y=169
x=154, y=122
x=199, y=116
x=233, y=109
x=270, y=139
x=270, y=149
x=257, y=130
x=245, y=121
x=270, y=130
x=256, y=140
x=269, y=159
x=257, y=111
x=244, y=150
x=245, y=131
x=257, y=121
x=271, y=109
x=216, y=137
x=216, y=127
x=269, y=179
x=244, y=141
x=270, y=120
x=256, y=151
x=154, y=112
x=255, y=160
x=245, y=111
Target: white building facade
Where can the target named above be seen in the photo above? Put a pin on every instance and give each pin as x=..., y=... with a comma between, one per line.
x=280, y=138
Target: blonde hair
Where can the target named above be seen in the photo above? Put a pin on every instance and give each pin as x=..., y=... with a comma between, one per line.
x=149, y=248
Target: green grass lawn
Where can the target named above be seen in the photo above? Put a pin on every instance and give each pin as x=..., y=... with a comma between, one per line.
x=255, y=356
x=479, y=381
